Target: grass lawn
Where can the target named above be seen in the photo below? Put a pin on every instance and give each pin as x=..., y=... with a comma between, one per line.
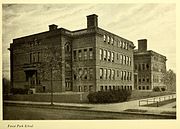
x=136, y=94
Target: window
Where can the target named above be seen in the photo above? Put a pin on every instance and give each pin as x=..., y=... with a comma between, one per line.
x=114, y=88
x=124, y=45
x=104, y=38
x=85, y=89
x=34, y=57
x=101, y=73
x=105, y=73
x=139, y=67
x=90, y=88
x=90, y=73
x=139, y=87
x=130, y=61
x=35, y=41
x=147, y=66
x=30, y=57
x=119, y=43
x=147, y=87
x=85, y=73
x=105, y=54
x=124, y=59
x=121, y=59
x=127, y=60
x=112, y=41
x=108, y=38
x=74, y=53
x=117, y=73
x=101, y=54
x=147, y=79
x=109, y=87
x=130, y=87
x=122, y=75
x=127, y=46
x=130, y=76
x=44, y=88
x=105, y=88
x=85, y=54
x=80, y=89
x=113, y=74
x=135, y=66
x=38, y=58
x=79, y=55
x=109, y=74
x=67, y=48
x=90, y=53
x=31, y=44
x=80, y=73
x=117, y=56
x=101, y=88
x=143, y=87
x=139, y=80
x=109, y=56
x=143, y=79
x=143, y=66
x=75, y=77
x=38, y=81
x=122, y=87
x=112, y=56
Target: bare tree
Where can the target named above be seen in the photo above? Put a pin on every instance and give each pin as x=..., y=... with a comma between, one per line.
x=51, y=61
x=170, y=80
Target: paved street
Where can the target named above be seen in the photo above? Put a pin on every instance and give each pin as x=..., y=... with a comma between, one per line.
x=91, y=111
x=35, y=113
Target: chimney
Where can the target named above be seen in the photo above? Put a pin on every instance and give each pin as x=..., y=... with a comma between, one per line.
x=52, y=27
x=142, y=45
x=92, y=21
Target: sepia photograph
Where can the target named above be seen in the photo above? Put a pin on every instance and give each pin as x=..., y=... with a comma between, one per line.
x=114, y=61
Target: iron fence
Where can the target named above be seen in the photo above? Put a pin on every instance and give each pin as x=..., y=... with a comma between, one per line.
x=156, y=100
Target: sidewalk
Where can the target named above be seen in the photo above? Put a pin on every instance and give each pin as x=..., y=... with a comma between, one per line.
x=125, y=107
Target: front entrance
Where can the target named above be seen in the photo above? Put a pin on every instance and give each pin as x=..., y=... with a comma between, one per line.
x=32, y=79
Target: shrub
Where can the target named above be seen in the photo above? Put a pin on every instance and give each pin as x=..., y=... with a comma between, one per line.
x=19, y=91
x=109, y=96
x=156, y=89
x=163, y=89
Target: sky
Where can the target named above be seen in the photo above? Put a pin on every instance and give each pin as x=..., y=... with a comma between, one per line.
x=154, y=22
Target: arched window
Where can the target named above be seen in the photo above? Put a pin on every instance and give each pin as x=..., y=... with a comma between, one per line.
x=67, y=47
